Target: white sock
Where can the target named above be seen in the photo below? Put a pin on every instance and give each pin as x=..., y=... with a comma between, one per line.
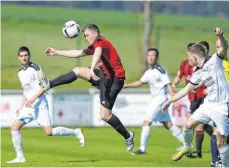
x=63, y=131
x=17, y=142
x=144, y=137
x=224, y=155
x=177, y=133
x=188, y=134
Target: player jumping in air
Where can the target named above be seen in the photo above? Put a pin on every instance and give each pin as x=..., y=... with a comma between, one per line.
x=216, y=104
x=109, y=79
x=160, y=86
x=34, y=106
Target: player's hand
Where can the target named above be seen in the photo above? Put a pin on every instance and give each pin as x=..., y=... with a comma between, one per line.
x=218, y=31
x=50, y=51
x=30, y=102
x=165, y=106
x=18, y=110
x=92, y=73
x=125, y=86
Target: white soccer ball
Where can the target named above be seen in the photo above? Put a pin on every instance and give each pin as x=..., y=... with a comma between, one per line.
x=71, y=29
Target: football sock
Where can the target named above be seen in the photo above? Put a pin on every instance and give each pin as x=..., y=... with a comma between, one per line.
x=177, y=133
x=118, y=126
x=224, y=155
x=208, y=129
x=199, y=141
x=214, y=149
x=63, y=79
x=17, y=142
x=63, y=131
x=144, y=137
x=188, y=134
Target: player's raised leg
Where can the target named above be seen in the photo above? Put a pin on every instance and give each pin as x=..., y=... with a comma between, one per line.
x=188, y=134
x=64, y=131
x=78, y=72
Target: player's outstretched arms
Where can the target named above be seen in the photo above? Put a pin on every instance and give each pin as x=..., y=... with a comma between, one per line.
x=70, y=53
x=183, y=92
x=222, y=50
x=133, y=85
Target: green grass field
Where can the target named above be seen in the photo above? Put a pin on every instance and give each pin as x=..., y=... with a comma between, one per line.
x=104, y=148
x=40, y=27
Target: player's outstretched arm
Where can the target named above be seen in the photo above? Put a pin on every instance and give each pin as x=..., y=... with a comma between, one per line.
x=30, y=102
x=95, y=59
x=183, y=92
x=69, y=53
x=133, y=85
x=222, y=50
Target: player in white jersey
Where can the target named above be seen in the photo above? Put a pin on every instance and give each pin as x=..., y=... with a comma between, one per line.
x=33, y=108
x=160, y=86
x=216, y=104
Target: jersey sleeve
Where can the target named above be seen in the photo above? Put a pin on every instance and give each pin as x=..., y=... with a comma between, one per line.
x=165, y=79
x=88, y=51
x=144, y=78
x=195, y=79
x=180, y=73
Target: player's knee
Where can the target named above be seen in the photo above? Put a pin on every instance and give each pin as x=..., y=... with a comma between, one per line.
x=77, y=71
x=105, y=117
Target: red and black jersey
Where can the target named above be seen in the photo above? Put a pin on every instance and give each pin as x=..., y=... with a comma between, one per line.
x=187, y=70
x=110, y=62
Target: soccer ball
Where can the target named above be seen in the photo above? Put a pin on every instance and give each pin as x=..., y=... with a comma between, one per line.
x=71, y=29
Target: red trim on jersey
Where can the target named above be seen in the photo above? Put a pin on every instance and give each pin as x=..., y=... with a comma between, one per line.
x=110, y=62
x=187, y=70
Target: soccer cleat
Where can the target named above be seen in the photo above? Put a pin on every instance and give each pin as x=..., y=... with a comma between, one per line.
x=180, y=154
x=43, y=81
x=17, y=160
x=130, y=141
x=139, y=152
x=217, y=164
x=80, y=137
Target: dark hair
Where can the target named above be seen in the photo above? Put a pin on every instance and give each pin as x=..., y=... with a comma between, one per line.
x=205, y=43
x=154, y=49
x=23, y=48
x=91, y=27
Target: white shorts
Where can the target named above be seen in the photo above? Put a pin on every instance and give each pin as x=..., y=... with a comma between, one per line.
x=216, y=112
x=39, y=113
x=154, y=112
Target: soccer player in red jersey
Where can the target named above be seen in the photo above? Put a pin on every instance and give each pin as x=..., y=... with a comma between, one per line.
x=109, y=78
x=196, y=98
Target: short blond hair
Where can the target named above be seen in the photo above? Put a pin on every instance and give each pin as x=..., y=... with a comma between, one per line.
x=198, y=49
x=91, y=27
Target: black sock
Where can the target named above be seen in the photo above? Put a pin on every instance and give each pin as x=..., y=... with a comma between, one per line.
x=214, y=149
x=63, y=79
x=199, y=141
x=118, y=126
x=208, y=129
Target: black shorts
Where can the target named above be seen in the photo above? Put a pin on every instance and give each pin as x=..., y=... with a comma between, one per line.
x=195, y=105
x=109, y=88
